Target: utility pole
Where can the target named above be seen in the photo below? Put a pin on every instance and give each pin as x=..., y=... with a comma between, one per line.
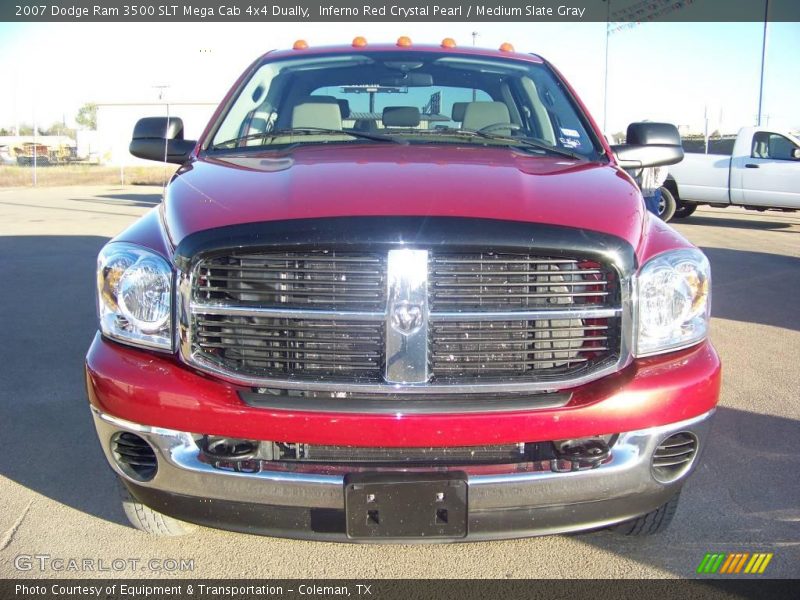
x=35, y=148
x=605, y=70
x=763, y=57
x=474, y=38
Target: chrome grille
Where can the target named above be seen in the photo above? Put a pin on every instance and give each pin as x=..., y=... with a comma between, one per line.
x=515, y=281
x=275, y=347
x=337, y=280
x=310, y=319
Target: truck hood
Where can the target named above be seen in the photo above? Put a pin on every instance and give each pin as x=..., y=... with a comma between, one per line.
x=394, y=180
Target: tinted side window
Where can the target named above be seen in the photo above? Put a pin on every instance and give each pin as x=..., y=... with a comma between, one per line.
x=772, y=145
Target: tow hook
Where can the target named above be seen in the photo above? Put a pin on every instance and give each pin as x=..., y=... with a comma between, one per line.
x=580, y=455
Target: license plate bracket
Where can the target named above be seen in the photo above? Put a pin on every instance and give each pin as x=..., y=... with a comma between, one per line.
x=406, y=505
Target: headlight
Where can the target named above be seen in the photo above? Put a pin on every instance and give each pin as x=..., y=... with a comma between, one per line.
x=134, y=295
x=673, y=302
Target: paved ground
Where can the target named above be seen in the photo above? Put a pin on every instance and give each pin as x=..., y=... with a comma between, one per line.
x=58, y=495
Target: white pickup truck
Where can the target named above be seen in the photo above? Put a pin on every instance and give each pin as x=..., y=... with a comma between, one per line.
x=761, y=172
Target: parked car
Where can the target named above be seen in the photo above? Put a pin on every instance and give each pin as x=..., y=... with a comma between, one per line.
x=466, y=330
x=760, y=171
x=5, y=156
x=29, y=153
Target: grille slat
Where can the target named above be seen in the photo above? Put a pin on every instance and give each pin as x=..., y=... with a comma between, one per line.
x=318, y=284
x=444, y=295
x=492, y=258
x=475, y=274
x=305, y=294
x=237, y=324
x=468, y=284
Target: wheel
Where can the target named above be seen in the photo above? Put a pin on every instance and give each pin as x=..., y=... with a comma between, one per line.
x=651, y=523
x=684, y=210
x=666, y=205
x=151, y=521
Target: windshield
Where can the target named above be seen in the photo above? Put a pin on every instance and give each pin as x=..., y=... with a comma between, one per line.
x=408, y=97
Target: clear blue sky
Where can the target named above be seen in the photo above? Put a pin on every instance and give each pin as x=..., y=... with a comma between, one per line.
x=660, y=71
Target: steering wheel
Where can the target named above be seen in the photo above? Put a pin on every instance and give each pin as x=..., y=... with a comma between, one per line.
x=496, y=126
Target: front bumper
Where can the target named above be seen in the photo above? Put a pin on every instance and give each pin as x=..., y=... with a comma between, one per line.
x=164, y=401
x=306, y=504
x=160, y=391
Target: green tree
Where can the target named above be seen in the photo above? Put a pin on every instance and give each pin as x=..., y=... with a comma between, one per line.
x=57, y=128
x=87, y=116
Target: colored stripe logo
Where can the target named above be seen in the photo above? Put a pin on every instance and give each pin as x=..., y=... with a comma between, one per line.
x=734, y=563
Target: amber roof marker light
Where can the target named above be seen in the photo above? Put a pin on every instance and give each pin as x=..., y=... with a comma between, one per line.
x=300, y=45
x=448, y=43
x=404, y=41
x=359, y=42
x=506, y=47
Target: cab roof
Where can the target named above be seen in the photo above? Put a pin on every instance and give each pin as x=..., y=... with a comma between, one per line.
x=388, y=48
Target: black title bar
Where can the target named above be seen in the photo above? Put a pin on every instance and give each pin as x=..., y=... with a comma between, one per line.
x=395, y=589
x=613, y=11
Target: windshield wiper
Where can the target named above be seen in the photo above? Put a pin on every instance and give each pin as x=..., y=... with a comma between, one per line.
x=296, y=131
x=513, y=141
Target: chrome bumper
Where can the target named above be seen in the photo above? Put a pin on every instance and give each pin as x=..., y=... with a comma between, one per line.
x=624, y=487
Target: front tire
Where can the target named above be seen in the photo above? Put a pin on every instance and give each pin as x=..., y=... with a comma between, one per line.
x=666, y=205
x=651, y=523
x=150, y=521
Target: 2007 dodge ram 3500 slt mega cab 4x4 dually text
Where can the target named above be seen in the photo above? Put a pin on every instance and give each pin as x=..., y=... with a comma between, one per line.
x=352, y=318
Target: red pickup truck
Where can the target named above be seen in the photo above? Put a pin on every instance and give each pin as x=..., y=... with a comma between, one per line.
x=402, y=293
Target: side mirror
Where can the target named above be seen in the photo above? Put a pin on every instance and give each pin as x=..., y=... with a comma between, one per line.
x=161, y=139
x=649, y=145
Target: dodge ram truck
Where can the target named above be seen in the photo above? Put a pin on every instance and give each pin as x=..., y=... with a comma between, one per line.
x=759, y=171
x=401, y=292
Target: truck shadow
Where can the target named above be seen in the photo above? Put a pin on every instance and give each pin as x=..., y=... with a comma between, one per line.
x=754, y=287
x=740, y=498
x=48, y=323
x=123, y=200
x=744, y=223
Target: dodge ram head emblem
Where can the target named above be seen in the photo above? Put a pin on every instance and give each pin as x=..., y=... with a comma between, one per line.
x=407, y=318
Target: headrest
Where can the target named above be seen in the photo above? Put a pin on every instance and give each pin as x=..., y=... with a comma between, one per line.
x=400, y=116
x=458, y=110
x=317, y=114
x=478, y=115
x=344, y=105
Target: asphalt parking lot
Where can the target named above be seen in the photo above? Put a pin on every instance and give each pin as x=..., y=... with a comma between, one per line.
x=59, y=499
